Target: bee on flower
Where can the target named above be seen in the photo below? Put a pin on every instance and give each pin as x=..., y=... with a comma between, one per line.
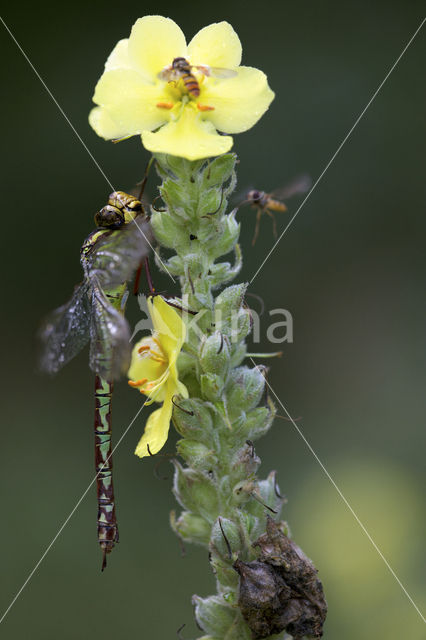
x=177, y=97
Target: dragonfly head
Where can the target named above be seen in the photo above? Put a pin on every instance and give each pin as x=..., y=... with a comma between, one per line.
x=109, y=217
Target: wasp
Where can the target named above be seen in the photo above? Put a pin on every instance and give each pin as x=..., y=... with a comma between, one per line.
x=270, y=203
x=181, y=69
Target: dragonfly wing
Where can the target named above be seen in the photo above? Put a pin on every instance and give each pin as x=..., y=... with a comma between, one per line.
x=117, y=254
x=65, y=331
x=297, y=187
x=110, y=347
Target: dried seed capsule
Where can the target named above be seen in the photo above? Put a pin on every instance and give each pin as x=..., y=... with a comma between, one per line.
x=280, y=591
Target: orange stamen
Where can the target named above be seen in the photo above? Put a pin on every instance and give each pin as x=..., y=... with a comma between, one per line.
x=145, y=347
x=165, y=105
x=204, y=107
x=138, y=383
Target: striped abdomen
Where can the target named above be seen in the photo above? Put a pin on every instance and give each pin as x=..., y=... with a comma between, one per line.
x=191, y=83
x=107, y=521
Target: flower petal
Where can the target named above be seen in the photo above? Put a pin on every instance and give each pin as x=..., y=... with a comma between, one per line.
x=129, y=102
x=157, y=427
x=168, y=324
x=217, y=45
x=144, y=367
x=119, y=57
x=154, y=42
x=188, y=137
x=238, y=102
x=101, y=122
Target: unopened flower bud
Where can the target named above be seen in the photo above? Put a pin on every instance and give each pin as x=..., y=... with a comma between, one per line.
x=213, y=615
x=196, y=454
x=193, y=420
x=191, y=528
x=245, y=388
x=196, y=492
x=214, y=355
x=211, y=386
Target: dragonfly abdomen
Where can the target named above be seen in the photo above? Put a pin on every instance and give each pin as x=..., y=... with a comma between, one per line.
x=107, y=521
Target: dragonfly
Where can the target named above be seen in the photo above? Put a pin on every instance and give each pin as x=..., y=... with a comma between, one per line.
x=95, y=314
x=268, y=203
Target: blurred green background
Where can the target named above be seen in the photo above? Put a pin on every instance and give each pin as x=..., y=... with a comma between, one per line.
x=351, y=270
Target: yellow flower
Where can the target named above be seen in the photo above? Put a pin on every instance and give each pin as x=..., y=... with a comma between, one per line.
x=153, y=371
x=139, y=94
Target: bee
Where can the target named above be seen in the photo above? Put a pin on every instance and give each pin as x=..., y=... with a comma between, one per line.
x=180, y=69
x=272, y=202
x=121, y=208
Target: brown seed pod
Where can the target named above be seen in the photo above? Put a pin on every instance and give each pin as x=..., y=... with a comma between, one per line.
x=280, y=591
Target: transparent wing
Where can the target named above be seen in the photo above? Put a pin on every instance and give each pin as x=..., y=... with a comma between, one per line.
x=110, y=347
x=117, y=254
x=65, y=331
x=169, y=75
x=240, y=196
x=217, y=72
x=297, y=187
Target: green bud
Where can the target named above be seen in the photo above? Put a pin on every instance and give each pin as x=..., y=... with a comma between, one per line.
x=193, y=420
x=266, y=497
x=245, y=388
x=225, y=540
x=213, y=615
x=214, y=355
x=238, y=353
x=191, y=528
x=229, y=301
x=211, y=386
x=196, y=492
x=196, y=454
x=167, y=232
x=224, y=572
x=254, y=527
x=270, y=493
x=229, y=238
x=219, y=170
x=244, y=462
x=256, y=423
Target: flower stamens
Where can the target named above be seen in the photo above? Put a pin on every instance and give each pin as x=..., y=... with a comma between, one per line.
x=204, y=107
x=137, y=383
x=165, y=105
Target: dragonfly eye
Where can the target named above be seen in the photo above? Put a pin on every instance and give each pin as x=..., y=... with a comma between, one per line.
x=109, y=217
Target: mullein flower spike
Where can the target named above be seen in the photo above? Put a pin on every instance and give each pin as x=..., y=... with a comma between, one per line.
x=178, y=97
x=178, y=107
